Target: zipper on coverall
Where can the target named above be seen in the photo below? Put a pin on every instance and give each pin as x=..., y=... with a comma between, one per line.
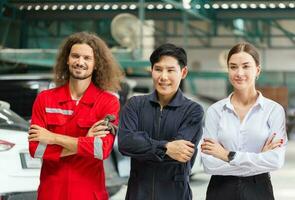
x=157, y=137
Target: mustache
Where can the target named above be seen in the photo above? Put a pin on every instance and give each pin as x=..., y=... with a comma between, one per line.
x=80, y=66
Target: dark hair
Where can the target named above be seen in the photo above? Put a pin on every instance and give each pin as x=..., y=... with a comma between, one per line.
x=245, y=47
x=169, y=50
x=107, y=74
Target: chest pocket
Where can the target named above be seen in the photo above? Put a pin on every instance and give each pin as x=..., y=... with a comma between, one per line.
x=86, y=123
x=56, y=122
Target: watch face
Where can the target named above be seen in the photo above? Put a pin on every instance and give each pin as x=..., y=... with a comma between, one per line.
x=231, y=155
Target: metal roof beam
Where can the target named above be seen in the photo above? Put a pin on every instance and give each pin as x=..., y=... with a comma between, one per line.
x=288, y=34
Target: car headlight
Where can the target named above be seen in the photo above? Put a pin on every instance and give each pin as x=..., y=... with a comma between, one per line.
x=5, y=146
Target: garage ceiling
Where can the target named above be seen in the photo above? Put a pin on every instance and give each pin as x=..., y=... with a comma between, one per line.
x=265, y=23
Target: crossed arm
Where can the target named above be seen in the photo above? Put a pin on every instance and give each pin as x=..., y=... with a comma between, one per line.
x=140, y=145
x=46, y=144
x=69, y=144
x=271, y=156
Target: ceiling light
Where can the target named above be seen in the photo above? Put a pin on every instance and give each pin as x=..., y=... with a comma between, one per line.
x=207, y=6
x=160, y=6
x=253, y=5
x=54, y=7
x=281, y=5
x=45, y=7
x=272, y=5
x=234, y=6
x=62, y=7
x=262, y=6
x=224, y=6
x=97, y=7
x=37, y=7
x=124, y=7
x=132, y=7
x=71, y=7
x=106, y=7
x=115, y=7
x=80, y=7
x=150, y=6
x=243, y=6
x=169, y=6
x=215, y=6
x=89, y=7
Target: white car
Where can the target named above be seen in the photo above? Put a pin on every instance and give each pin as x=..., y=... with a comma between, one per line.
x=19, y=173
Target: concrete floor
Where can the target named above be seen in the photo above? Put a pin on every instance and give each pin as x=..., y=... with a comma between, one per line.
x=283, y=180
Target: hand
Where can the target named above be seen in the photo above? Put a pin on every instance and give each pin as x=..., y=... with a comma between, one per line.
x=42, y=135
x=98, y=129
x=180, y=150
x=212, y=147
x=271, y=144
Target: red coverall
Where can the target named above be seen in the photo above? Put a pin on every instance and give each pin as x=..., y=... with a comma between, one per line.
x=80, y=176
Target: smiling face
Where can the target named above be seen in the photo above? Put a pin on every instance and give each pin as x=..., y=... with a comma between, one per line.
x=242, y=71
x=81, y=62
x=167, y=75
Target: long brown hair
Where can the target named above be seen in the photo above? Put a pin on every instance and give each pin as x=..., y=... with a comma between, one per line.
x=107, y=74
x=245, y=47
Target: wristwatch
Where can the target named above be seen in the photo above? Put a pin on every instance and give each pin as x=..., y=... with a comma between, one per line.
x=231, y=155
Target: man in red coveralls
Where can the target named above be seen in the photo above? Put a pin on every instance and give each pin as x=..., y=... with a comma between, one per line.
x=66, y=129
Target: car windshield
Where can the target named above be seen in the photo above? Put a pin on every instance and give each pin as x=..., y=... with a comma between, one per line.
x=10, y=120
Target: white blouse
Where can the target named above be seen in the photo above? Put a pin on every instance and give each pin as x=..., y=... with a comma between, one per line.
x=246, y=138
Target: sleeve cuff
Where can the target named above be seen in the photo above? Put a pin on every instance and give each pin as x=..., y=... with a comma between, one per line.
x=161, y=149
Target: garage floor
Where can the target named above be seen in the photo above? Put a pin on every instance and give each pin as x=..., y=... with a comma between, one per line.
x=283, y=180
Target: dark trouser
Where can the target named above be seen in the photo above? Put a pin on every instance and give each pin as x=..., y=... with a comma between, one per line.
x=256, y=187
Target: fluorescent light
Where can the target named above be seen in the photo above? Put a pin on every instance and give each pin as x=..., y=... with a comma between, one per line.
x=132, y=7
x=215, y=6
x=97, y=7
x=169, y=6
x=37, y=7
x=89, y=7
x=224, y=6
x=54, y=7
x=282, y=5
x=272, y=5
x=160, y=6
x=45, y=7
x=243, y=6
x=62, y=7
x=234, y=6
x=124, y=7
x=207, y=6
x=106, y=7
x=262, y=6
x=115, y=7
x=80, y=7
x=71, y=7
x=253, y=5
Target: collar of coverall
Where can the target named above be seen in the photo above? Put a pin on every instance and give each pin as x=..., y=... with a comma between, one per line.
x=88, y=97
x=175, y=102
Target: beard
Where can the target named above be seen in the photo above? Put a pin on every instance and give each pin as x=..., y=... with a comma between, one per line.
x=81, y=75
